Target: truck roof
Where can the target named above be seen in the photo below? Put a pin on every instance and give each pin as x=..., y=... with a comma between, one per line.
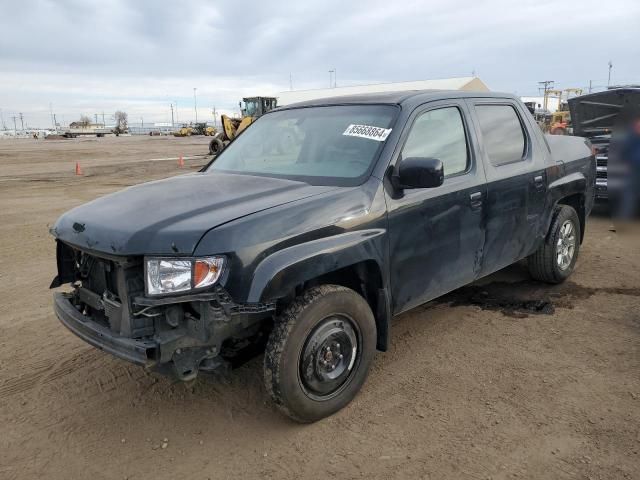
x=409, y=98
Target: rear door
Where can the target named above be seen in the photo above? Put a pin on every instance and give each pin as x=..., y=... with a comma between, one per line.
x=516, y=181
x=436, y=235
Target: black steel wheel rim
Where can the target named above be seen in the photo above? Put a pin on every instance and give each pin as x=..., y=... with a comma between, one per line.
x=330, y=355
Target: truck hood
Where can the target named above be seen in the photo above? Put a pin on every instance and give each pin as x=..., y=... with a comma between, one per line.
x=170, y=216
x=598, y=113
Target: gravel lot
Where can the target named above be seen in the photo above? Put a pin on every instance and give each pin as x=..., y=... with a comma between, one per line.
x=504, y=379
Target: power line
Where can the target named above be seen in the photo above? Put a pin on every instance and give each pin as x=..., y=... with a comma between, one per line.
x=546, y=84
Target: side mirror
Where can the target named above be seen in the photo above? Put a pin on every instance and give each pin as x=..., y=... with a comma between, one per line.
x=419, y=172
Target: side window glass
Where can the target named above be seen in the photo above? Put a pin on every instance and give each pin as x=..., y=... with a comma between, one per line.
x=504, y=139
x=439, y=134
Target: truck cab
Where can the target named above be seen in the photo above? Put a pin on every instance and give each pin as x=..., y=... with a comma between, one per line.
x=257, y=106
x=313, y=229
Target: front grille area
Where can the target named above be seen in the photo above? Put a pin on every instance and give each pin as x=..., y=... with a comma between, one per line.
x=601, y=147
x=105, y=287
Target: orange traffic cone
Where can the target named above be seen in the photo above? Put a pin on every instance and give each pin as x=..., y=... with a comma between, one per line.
x=78, y=169
x=181, y=161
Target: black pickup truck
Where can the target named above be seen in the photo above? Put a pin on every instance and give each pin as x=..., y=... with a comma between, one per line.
x=313, y=229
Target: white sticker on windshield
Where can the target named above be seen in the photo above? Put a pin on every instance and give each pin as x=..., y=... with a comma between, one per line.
x=366, y=131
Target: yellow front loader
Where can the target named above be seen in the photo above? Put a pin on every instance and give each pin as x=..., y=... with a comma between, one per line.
x=254, y=107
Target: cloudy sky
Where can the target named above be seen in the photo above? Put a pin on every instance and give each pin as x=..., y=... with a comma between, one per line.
x=80, y=56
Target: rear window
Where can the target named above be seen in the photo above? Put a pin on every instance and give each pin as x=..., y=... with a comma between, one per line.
x=504, y=139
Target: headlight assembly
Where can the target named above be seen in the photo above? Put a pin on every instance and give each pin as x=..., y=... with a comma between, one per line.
x=174, y=275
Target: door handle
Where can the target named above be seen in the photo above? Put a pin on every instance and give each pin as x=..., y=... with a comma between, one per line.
x=538, y=182
x=476, y=200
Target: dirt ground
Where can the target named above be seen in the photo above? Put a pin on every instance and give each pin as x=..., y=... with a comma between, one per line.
x=505, y=379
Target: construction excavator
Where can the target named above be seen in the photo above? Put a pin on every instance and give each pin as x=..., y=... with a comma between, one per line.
x=254, y=107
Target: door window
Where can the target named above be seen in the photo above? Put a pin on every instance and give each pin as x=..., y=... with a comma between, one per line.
x=439, y=134
x=502, y=133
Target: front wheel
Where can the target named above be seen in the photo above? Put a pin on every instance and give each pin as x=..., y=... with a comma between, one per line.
x=555, y=260
x=215, y=146
x=319, y=352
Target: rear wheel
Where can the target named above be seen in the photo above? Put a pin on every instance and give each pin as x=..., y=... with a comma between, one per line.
x=555, y=260
x=319, y=352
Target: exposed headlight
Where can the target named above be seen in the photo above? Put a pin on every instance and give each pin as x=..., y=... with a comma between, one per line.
x=174, y=275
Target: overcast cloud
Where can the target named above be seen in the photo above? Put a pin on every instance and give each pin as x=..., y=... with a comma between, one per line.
x=88, y=57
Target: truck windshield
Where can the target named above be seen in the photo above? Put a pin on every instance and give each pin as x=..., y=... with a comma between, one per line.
x=331, y=145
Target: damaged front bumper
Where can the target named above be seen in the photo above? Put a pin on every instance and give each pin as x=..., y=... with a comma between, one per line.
x=141, y=352
x=180, y=334
x=191, y=333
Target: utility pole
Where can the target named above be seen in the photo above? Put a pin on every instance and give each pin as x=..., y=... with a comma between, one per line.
x=141, y=123
x=104, y=124
x=195, y=104
x=546, y=85
x=22, y=122
x=4, y=127
x=171, y=105
x=609, y=79
x=589, y=86
x=15, y=129
x=330, y=78
x=335, y=77
x=55, y=123
x=96, y=115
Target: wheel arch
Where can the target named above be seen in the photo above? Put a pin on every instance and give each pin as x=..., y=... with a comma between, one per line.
x=353, y=260
x=577, y=202
x=569, y=190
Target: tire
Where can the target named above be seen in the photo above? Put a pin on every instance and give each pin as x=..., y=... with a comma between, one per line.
x=215, y=146
x=298, y=375
x=549, y=263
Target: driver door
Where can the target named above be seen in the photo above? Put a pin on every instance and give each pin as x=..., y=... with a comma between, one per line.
x=436, y=235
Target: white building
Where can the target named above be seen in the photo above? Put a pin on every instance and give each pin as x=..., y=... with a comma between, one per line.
x=553, y=103
x=473, y=84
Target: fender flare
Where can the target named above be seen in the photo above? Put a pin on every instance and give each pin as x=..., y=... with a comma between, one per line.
x=569, y=185
x=280, y=273
x=285, y=269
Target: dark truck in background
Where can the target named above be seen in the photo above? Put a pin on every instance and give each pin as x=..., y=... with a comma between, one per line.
x=313, y=229
x=595, y=116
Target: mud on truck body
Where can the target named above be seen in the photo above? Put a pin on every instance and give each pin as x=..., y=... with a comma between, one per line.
x=313, y=229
